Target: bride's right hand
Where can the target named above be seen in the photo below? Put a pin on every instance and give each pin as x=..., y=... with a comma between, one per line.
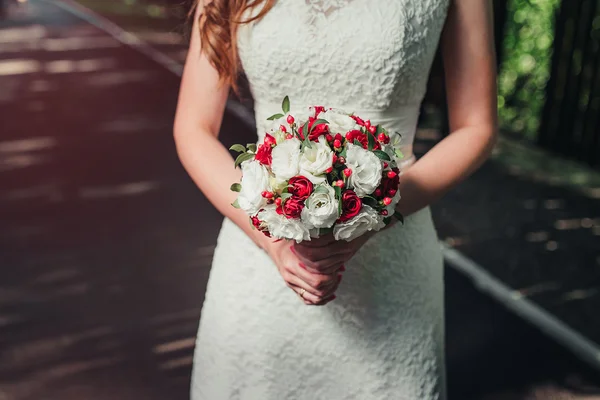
x=313, y=288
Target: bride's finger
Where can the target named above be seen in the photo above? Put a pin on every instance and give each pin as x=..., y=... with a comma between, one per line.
x=309, y=298
x=320, y=286
x=323, y=255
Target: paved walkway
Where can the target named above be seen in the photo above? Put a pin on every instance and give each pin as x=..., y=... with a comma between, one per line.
x=105, y=244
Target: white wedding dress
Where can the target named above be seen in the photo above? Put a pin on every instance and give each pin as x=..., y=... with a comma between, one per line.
x=383, y=337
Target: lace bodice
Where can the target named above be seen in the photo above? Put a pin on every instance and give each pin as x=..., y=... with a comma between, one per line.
x=371, y=57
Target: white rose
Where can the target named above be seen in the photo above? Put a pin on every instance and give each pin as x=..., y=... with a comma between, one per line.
x=366, y=170
x=338, y=122
x=255, y=180
x=321, y=208
x=277, y=185
x=281, y=227
x=366, y=220
x=315, y=160
x=286, y=157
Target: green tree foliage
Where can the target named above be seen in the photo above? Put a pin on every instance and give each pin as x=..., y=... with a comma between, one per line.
x=526, y=63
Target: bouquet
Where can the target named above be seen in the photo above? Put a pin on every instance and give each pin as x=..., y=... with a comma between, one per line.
x=331, y=173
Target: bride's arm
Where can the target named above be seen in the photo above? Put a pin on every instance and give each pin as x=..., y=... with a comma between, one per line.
x=470, y=68
x=200, y=108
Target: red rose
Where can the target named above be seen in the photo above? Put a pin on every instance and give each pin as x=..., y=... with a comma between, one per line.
x=358, y=120
x=300, y=187
x=292, y=208
x=362, y=138
x=351, y=205
x=389, y=187
x=263, y=154
x=316, y=131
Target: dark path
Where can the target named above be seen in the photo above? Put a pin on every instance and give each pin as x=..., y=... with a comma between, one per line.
x=105, y=244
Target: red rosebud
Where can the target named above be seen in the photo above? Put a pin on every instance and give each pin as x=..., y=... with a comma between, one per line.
x=347, y=172
x=329, y=137
x=342, y=160
x=337, y=144
x=377, y=192
x=392, y=192
x=353, y=135
x=381, y=137
x=339, y=137
x=263, y=154
x=339, y=183
x=290, y=119
x=334, y=159
x=289, y=136
x=385, y=165
x=368, y=123
x=267, y=195
x=318, y=110
x=282, y=128
x=391, y=174
x=300, y=187
x=358, y=120
x=384, y=212
x=270, y=140
x=351, y=205
x=328, y=170
x=279, y=210
x=372, y=129
x=292, y=208
x=387, y=201
x=278, y=202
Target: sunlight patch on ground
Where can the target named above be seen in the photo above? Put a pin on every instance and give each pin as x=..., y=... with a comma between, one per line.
x=18, y=67
x=78, y=43
x=12, y=35
x=127, y=189
x=175, y=345
x=68, y=66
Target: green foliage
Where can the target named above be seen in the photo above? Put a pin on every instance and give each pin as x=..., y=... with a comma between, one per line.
x=526, y=63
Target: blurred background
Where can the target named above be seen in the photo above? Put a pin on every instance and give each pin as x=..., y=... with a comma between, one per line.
x=105, y=243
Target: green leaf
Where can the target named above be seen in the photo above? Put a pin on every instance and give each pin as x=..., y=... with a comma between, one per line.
x=343, y=152
x=275, y=116
x=236, y=187
x=399, y=217
x=398, y=153
x=318, y=122
x=382, y=155
x=338, y=194
x=305, y=132
x=235, y=204
x=357, y=143
x=285, y=196
x=379, y=130
x=243, y=157
x=371, y=141
x=325, y=231
x=238, y=147
x=387, y=220
x=252, y=147
x=285, y=106
x=371, y=202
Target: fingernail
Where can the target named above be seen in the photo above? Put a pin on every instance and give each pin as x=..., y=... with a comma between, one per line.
x=340, y=276
x=343, y=268
x=302, y=265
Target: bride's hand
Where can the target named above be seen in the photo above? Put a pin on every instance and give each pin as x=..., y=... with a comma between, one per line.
x=315, y=288
x=326, y=255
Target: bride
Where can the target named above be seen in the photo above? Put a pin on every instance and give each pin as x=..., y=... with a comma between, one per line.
x=279, y=322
